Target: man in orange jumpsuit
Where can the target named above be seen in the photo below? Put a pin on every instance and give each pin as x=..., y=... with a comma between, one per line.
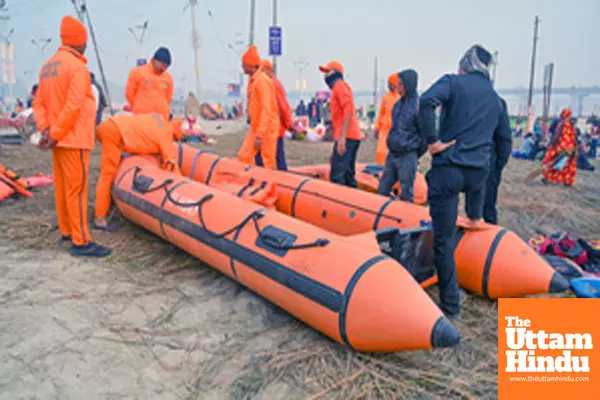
x=65, y=112
x=285, y=116
x=150, y=87
x=262, y=113
x=346, y=131
x=384, y=120
x=135, y=134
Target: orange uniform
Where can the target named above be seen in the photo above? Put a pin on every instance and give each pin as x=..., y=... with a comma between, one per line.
x=285, y=111
x=135, y=134
x=149, y=92
x=384, y=124
x=64, y=104
x=264, y=121
x=342, y=107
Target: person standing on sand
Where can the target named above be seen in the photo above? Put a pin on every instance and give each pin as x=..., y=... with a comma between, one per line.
x=150, y=87
x=65, y=113
x=404, y=140
x=263, y=114
x=471, y=111
x=562, y=144
x=501, y=150
x=346, y=131
x=384, y=120
x=285, y=117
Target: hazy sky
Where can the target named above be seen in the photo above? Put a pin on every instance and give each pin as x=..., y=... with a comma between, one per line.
x=429, y=36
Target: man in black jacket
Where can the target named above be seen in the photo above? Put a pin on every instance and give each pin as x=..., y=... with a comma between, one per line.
x=404, y=140
x=501, y=149
x=461, y=155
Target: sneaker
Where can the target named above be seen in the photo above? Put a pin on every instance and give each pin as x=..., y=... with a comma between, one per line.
x=90, y=250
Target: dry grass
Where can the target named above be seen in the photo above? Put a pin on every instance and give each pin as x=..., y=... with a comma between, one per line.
x=310, y=362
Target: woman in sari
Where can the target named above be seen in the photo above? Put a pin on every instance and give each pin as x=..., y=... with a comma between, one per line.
x=563, y=144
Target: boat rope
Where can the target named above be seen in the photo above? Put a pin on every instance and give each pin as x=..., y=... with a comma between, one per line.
x=254, y=216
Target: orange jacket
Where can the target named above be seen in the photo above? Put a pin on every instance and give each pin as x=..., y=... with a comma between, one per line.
x=384, y=120
x=64, y=102
x=262, y=107
x=149, y=92
x=283, y=107
x=342, y=107
x=147, y=134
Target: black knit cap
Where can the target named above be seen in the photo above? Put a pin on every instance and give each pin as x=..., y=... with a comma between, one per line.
x=163, y=55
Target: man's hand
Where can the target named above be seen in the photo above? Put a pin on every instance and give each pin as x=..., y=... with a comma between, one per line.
x=257, y=143
x=439, y=147
x=376, y=134
x=46, y=143
x=341, y=147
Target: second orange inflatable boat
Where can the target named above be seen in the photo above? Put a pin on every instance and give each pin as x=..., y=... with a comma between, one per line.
x=492, y=262
x=341, y=286
x=367, y=178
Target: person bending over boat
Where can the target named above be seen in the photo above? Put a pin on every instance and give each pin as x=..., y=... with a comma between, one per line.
x=501, y=149
x=135, y=134
x=263, y=114
x=461, y=155
x=285, y=117
x=346, y=131
x=384, y=119
x=404, y=140
x=150, y=87
x=65, y=113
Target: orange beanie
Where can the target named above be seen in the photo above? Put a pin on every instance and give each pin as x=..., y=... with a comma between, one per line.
x=266, y=64
x=251, y=57
x=72, y=32
x=394, y=79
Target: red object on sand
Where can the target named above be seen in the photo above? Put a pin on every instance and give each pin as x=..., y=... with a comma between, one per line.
x=39, y=180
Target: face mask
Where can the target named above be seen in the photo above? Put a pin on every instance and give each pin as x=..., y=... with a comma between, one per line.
x=330, y=80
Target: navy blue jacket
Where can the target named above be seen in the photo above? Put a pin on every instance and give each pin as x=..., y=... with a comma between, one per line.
x=405, y=136
x=471, y=112
x=502, y=140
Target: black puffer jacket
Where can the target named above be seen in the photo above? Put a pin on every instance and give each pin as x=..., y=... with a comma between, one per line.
x=405, y=136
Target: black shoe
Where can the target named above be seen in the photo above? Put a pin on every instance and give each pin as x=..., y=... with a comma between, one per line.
x=90, y=250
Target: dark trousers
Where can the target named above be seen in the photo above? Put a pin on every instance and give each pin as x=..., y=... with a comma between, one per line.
x=343, y=167
x=445, y=183
x=492, y=182
x=280, y=157
x=593, y=148
x=399, y=168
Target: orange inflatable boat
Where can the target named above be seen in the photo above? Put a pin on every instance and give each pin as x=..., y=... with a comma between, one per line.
x=492, y=261
x=342, y=286
x=367, y=178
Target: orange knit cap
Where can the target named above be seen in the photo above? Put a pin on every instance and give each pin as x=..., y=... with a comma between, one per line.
x=266, y=64
x=251, y=57
x=394, y=79
x=72, y=32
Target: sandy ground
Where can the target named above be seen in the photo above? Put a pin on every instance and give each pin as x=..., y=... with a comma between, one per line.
x=151, y=322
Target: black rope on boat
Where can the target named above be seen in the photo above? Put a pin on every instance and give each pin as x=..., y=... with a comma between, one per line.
x=255, y=216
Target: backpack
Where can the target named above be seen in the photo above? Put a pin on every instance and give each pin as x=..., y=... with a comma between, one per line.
x=562, y=244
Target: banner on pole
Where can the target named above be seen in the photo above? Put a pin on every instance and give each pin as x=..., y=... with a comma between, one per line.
x=274, y=40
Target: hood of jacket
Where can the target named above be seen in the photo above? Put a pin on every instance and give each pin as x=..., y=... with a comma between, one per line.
x=410, y=81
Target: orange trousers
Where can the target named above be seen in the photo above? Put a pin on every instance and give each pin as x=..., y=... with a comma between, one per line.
x=71, y=173
x=268, y=150
x=382, y=149
x=109, y=136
